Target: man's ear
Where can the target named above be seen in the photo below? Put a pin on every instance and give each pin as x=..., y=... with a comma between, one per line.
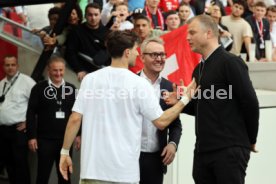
x=127, y=52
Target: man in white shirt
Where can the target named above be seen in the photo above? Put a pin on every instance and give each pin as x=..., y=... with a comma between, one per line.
x=15, y=90
x=111, y=104
x=157, y=149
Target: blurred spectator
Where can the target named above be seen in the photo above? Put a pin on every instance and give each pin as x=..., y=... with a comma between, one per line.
x=271, y=17
x=172, y=20
x=155, y=15
x=260, y=27
x=142, y=27
x=192, y=8
x=248, y=10
x=120, y=20
x=225, y=36
x=238, y=27
x=34, y=17
x=107, y=11
x=57, y=42
x=53, y=16
x=201, y=6
x=184, y=12
x=85, y=48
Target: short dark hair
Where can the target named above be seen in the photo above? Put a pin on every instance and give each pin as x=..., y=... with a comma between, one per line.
x=243, y=3
x=53, y=11
x=139, y=16
x=9, y=56
x=93, y=5
x=206, y=22
x=170, y=12
x=271, y=8
x=118, y=41
x=260, y=4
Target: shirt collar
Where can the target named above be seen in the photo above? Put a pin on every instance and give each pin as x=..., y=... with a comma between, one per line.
x=50, y=82
x=203, y=60
x=10, y=81
x=158, y=80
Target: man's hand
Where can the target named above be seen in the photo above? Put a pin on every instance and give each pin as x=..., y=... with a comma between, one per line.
x=171, y=98
x=81, y=75
x=78, y=143
x=32, y=143
x=21, y=126
x=65, y=164
x=168, y=153
x=253, y=148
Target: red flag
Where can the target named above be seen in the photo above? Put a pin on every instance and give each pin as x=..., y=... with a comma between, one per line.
x=180, y=61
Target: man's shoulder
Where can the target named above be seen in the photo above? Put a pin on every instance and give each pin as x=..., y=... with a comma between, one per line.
x=226, y=18
x=26, y=78
x=165, y=81
x=68, y=84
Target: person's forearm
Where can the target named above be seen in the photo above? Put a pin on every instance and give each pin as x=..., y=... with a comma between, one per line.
x=71, y=130
x=169, y=115
x=247, y=42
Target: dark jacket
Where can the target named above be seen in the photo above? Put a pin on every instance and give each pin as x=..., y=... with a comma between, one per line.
x=230, y=119
x=42, y=108
x=87, y=41
x=174, y=130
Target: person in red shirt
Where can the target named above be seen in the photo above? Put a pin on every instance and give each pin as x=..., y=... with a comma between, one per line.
x=166, y=5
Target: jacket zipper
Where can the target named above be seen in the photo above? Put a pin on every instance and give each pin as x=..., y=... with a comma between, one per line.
x=200, y=72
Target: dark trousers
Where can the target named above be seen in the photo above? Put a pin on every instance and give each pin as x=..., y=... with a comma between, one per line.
x=225, y=166
x=48, y=152
x=14, y=154
x=151, y=168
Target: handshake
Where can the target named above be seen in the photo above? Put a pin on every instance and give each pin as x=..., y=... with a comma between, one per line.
x=181, y=92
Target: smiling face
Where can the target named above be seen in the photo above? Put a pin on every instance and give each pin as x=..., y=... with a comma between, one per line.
x=56, y=71
x=153, y=65
x=74, y=18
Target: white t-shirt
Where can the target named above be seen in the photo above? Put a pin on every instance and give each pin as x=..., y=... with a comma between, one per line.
x=113, y=102
x=239, y=29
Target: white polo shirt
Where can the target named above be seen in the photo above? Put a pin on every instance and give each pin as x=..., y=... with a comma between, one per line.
x=13, y=109
x=113, y=102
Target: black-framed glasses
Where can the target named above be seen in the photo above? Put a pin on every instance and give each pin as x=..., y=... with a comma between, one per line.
x=155, y=55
